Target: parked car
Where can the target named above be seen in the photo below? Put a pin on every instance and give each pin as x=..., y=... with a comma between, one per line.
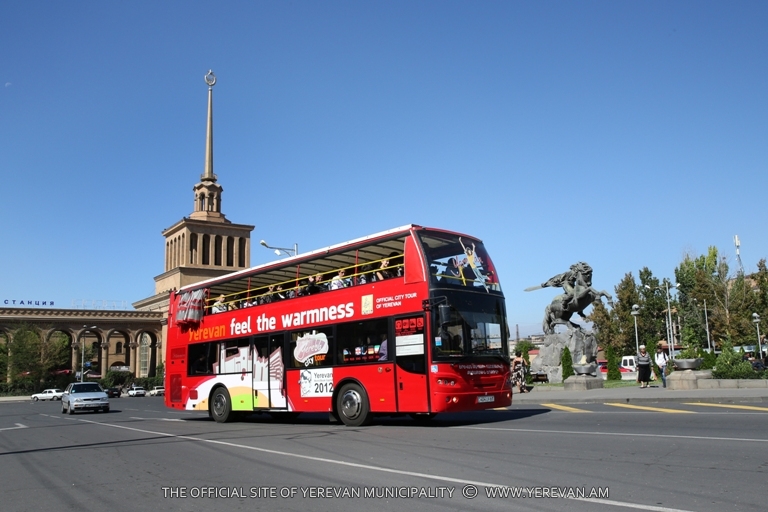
x=113, y=393
x=628, y=362
x=84, y=396
x=157, y=391
x=137, y=391
x=604, y=367
x=48, y=394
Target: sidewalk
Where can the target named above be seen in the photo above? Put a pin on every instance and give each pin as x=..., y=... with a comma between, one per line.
x=636, y=395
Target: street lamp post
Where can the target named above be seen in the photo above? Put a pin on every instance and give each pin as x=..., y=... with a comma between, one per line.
x=756, y=319
x=635, y=312
x=278, y=250
x=706, y=323
x=82, y=346
x=669, y=322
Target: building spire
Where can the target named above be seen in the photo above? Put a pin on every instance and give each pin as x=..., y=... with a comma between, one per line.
x=208, y=192
x=208, y=175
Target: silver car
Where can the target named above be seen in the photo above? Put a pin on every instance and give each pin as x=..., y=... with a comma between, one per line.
x=84, y=396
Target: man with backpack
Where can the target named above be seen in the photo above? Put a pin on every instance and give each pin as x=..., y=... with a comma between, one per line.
x=661, y=361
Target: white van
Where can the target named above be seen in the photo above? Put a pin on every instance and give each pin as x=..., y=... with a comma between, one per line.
x=628, y=362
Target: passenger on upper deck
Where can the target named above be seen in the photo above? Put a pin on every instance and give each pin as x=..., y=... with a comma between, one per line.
x=219, y=306
x=339, y=281
x=386, y=271
x=364, y=274
x=314, y=285
x=268, y=297
x=452, y=273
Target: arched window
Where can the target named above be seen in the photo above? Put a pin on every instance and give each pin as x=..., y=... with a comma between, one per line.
x=241, y=252
x=206, y=249
x=193, y=249
x=230, y=251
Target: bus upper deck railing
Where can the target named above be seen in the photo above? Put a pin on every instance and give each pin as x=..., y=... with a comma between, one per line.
x=308, y=285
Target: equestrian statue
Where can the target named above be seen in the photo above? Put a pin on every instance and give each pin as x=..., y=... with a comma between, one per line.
x=579, y=294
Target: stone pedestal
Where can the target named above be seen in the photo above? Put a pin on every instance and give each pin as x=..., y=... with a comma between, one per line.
x=582, y=383
x=685, y=379
x=690, y=379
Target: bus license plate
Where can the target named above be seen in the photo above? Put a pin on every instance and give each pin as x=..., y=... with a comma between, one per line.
x=485, y=399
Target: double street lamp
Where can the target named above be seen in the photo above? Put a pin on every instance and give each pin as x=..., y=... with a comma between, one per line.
x=82, y=345
x=278, y=250
x=670, y=329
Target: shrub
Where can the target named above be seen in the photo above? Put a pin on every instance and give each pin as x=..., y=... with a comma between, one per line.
x=708, y=360
x=732, y=365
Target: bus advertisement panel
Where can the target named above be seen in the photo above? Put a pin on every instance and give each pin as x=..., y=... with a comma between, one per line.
x=380, y=325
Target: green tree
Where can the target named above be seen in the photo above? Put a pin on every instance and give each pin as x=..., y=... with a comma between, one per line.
x=613, y=363
x=32, y=359
x=566, y=361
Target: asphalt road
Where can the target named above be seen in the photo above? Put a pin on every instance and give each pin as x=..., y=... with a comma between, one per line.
x=142, y=456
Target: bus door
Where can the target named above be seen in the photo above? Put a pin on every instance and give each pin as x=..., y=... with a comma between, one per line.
x=410, y=358
x=268, y=372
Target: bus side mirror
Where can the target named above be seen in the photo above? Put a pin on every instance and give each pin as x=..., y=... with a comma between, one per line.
x=444, y=313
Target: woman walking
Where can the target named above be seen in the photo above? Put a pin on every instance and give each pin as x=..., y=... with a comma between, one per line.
x=643, y=367
x=518, y=372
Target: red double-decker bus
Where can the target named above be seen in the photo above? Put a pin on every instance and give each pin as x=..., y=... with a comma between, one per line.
x=407, y=321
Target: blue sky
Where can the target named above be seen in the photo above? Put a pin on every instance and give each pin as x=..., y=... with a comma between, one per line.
x=623, y=134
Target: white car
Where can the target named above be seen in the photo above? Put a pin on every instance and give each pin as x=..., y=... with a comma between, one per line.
x=157, y=391
x=48, y=394
x=84, y=396
x=137, y=391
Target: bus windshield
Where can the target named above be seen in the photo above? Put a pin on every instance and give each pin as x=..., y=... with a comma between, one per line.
x=468, y=325
x=457, y=261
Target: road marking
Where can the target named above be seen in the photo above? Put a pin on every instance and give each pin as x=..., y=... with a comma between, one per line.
x=654, y=409
x=337, y=462
x=156, y=419
x=18, y=426
x=564, y=408
x=731, y=406
x=620, y=434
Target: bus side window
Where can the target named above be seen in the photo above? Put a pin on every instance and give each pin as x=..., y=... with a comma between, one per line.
x=362, y=342
x=202, y=357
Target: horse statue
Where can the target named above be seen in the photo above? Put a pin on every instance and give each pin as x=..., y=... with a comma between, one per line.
x=579, y=294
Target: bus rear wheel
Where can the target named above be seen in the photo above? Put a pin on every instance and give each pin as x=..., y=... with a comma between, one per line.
x=352, y=406
x=220, y=408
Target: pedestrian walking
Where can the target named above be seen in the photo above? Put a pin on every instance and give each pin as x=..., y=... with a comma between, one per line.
x=518, y=372
x=644, y=367
x=661, y=360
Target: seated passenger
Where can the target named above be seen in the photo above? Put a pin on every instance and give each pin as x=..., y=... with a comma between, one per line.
x=364, y=276
x=219, y=306
x=452, y=274
x=267, y=297
x=338, y=280
x=314, y=284
x=385, y=271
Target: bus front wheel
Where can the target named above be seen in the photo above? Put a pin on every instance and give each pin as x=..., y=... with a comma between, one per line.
x=220, y=408
x=352, y=406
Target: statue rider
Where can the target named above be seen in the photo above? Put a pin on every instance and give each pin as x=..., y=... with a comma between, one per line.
x=579, y=275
